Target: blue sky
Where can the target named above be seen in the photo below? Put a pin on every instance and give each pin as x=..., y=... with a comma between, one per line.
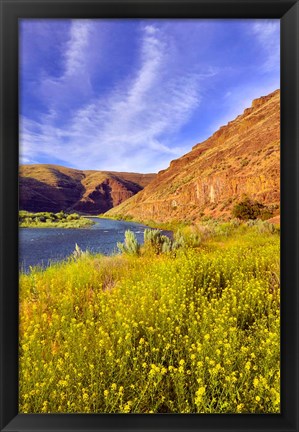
x=131, y=95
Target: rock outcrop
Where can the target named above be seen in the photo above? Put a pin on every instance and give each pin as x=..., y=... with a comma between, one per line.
x=241, y=158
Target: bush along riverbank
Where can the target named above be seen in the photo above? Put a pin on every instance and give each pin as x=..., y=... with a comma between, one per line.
x=52, y=220
x=188, y=325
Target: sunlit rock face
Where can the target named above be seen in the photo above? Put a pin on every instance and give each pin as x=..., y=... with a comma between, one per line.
x=241, y=158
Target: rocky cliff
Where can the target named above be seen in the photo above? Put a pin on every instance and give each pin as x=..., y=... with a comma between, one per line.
x=54, y=188
x=241, y=158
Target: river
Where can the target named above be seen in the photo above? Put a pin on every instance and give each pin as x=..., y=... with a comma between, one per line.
x=41, y=246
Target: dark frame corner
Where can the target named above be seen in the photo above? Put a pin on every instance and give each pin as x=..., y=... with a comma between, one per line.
x=285, y=10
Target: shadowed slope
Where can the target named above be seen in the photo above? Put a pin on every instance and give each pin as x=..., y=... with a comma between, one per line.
x=55, y=188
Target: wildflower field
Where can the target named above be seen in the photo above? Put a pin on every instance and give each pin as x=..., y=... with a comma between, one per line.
x=195, y=330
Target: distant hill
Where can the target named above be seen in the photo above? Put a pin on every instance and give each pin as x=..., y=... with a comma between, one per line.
x=241, y=158
x=54, y=188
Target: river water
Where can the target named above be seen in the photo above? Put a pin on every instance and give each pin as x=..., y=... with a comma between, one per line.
x=41, y=246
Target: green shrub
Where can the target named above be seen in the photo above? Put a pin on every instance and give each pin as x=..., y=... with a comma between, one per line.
x=156, y=242
x=250, y=209
x=130, y=245
x=178, y=240
x=167, y=244
x=266, y=214
x=78, y=252
x=73, y=216
x=235, y=222
x=224, y=229
x=262, y=226
x=153, y=240
x=61, y=215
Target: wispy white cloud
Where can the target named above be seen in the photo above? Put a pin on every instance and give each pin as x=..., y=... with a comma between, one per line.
x=130, y=128
x=267, y=33
x=78, y=61
x=77, y=46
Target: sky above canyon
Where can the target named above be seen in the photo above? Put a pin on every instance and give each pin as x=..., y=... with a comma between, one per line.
x=134, y=94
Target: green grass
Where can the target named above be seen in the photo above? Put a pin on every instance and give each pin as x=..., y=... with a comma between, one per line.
x=194, y=331
x=52, y=220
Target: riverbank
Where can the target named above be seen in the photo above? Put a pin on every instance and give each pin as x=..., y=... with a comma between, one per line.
x=194, y=330
x=40, y=247
x=175, y=225
x=167, y=226
x=52, y=220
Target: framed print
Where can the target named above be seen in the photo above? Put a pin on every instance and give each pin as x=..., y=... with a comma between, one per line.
x=149, y=215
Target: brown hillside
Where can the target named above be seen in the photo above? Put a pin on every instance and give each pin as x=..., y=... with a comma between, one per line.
x=241, y=158
x=55, y=188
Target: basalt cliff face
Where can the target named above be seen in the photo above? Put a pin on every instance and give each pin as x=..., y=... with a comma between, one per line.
x=54, y=188
x=240, y=159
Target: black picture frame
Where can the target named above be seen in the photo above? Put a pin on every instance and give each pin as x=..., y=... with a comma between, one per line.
x=288, y=12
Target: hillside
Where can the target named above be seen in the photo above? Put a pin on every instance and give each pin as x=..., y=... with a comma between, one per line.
x=241, y=158
x=54, y=188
